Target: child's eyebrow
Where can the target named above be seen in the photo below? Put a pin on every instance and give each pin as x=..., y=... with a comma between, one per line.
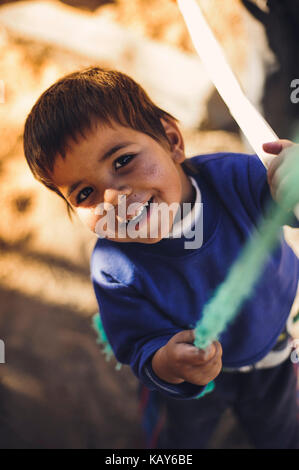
x=72, y=188
x=114, y=149
x=106, y=155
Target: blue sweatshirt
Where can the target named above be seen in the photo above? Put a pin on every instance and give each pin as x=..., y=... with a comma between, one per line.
x=149, y=292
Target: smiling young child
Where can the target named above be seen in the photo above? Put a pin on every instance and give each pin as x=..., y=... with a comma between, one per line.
x=99, y=142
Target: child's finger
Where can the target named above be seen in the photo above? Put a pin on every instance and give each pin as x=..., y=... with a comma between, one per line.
x=211, y=370
x=188, y=354
x=185, y=336
x=276, y=147
x=278, y=174
x=274, y=165
x=282, y=189
x=202, y=374
x=273, y=147
x=283, y=145
x=198, y=357
x=210, y=351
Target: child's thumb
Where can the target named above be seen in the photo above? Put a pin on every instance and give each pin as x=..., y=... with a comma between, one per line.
x=209, y=352
x=188, y=336
x=185, y=336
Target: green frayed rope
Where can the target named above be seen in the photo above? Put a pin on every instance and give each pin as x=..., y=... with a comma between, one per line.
x=228, y=298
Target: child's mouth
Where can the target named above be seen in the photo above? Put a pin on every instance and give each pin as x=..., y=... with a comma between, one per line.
x=144, y=211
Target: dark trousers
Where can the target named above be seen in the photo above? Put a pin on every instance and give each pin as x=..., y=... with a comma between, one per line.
x=264, y=400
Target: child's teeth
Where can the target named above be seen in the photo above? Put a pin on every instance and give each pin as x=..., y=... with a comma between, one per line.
x=139, y=211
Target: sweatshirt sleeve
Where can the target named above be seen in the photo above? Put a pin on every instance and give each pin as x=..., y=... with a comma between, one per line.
x=136, y=329
x=259, y=187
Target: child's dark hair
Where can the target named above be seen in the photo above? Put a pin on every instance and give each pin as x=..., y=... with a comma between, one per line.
x=69, y=108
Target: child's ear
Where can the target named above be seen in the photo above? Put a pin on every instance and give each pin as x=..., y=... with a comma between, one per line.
x=175, y=139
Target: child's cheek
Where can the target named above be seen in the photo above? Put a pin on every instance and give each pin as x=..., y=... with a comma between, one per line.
x=87, y=217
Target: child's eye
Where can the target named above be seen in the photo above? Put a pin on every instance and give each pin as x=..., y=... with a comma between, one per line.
x=122, y=161
x=83, y=194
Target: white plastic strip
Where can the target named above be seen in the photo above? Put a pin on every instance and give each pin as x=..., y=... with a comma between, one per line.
x=251, y=122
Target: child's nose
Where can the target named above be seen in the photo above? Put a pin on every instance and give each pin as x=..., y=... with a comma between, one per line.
x=111, y=195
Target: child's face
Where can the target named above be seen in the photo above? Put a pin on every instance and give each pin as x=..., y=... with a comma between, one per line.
x=117, y=160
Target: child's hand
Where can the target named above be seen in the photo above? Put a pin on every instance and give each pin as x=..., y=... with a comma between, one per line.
x=278, y=148
x=179, y=360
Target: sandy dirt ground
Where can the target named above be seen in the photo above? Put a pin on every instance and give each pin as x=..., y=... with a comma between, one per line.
x=56, y=389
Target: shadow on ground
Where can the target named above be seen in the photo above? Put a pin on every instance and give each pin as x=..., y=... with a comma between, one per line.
x=56, y=389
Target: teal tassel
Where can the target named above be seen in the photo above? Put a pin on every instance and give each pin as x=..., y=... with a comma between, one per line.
x=208, y=389
x=102, y=338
